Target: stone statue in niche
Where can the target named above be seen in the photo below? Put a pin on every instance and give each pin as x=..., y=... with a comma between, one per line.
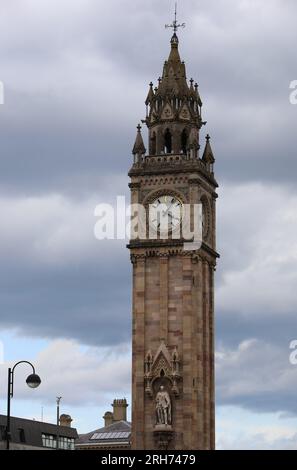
x=163, y=407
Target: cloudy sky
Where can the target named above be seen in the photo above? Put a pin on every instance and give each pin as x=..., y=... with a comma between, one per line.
x=75, y=75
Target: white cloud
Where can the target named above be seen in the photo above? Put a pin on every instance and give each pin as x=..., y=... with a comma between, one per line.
x=82, y=375
x=255, y=432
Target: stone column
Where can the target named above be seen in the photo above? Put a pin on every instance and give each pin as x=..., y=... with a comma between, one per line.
x=200, y=355
x=195, y=348
x=164, y=298
x=206, y=359
x=212, y=357
x=138, y=340
x=187, y=352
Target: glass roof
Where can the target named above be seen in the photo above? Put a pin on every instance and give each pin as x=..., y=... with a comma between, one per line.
x=111, y=435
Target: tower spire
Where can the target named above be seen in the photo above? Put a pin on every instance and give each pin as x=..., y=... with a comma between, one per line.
x=139, y=148
x=208, y=156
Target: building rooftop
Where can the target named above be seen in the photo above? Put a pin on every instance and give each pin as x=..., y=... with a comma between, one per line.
x=116, y=433
x=28, y=432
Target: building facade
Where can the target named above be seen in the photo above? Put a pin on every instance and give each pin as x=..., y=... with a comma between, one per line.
x=173, y=283
x=28, y=434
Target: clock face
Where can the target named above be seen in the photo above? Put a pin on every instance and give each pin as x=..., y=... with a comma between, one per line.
x=165, y=213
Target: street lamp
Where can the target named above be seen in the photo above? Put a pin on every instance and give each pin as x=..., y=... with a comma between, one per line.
x=58, y=421
x=33, y=381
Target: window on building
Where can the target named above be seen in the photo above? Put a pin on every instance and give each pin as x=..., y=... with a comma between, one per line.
x=2, y=433
x=22, y=436
x=50, y=441
x=66, y=443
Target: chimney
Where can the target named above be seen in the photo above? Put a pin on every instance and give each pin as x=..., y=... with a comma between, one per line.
x=108, y=418
x=65, y=420
x=120, y=409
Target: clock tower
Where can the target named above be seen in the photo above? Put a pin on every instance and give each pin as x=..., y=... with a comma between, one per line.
x=173, y=403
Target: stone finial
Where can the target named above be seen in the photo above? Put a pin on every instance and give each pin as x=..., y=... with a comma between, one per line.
x=139, y=148
x=208, y=156
x=150, y=95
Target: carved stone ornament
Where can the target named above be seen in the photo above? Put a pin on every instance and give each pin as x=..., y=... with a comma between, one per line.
x=162, y=365
x=163, y=438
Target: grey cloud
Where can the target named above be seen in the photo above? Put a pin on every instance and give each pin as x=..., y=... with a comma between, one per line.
x=74, y=109
x=255, y=294
x=79, y=302
x=258, y=376
x=57, y=280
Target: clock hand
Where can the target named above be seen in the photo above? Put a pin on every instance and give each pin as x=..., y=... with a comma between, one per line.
x=167, y=210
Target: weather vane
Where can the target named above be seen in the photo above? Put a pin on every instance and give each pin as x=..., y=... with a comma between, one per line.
x=175, y=25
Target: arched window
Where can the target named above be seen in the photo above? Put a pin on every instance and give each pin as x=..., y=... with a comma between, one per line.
x=167, y=141
x=153, y=144
x=184, y=141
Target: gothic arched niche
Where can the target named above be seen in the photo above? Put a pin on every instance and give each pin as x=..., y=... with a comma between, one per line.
x=164, y=381
x=167, y=141
x=153, y=144
x=184, y=141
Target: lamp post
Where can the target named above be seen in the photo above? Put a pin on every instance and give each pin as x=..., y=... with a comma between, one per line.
x=33, y=381
x=58, y=421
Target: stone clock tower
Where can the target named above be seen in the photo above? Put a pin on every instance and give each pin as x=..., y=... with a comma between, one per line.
x=173, y=287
